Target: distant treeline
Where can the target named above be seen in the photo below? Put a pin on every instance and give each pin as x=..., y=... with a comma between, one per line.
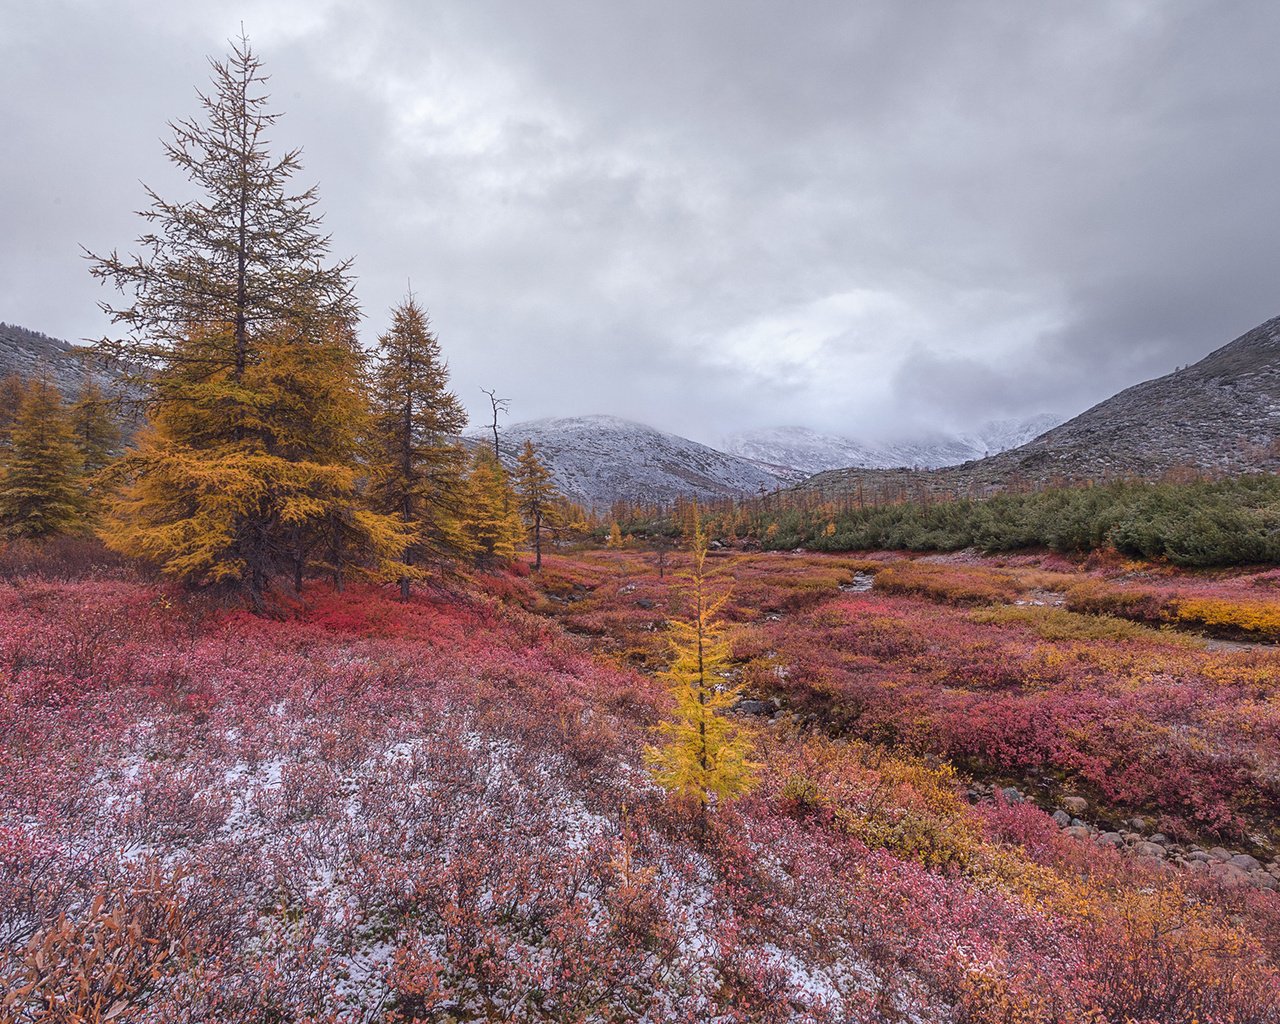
x=1209, y=523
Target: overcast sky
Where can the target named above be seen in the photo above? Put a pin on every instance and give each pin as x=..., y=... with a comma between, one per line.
x=864, y=217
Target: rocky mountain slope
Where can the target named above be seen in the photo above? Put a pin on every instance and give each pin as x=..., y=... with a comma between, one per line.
x=30, y=354
x=1216, y=417
x=810, y=451
x=597, y=460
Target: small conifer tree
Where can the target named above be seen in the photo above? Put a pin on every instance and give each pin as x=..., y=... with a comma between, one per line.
x=704, y=756
x=41, y=480
x=97, y=433
x=540, y=503
x=492, y=522
x=419, y=469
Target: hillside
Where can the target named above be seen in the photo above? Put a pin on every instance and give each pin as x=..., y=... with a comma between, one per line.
x=30, y=353
x=1219, y=416
x=597, y=460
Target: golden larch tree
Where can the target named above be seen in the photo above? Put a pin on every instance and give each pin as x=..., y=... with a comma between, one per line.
x=251, y=478
x=41, y=469
x=492, y=520
x=704, y=755
x=418, y=466
x=540, y=503
x=97, y=432
x=241, y=334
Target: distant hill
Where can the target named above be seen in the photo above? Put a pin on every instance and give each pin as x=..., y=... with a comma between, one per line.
x=1220, y=416
x=810, y=451
x=30, y=353
x=597, y=460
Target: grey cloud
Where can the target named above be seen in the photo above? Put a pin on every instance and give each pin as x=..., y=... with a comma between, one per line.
x=712, y=215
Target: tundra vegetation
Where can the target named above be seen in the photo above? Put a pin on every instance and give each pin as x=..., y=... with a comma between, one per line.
x=307, y=741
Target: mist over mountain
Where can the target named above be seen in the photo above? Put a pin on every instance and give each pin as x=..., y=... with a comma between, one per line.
x=812, y=451
x=1219, y=416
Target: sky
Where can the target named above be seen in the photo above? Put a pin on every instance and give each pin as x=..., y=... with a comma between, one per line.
x=873, y=218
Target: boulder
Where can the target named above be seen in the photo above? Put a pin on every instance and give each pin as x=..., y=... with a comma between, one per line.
x=1061, y=818
x=1076, y=805
x=1151, y=850
x=1077, y=832
x=1228, y=873
x=1262, y=880
x=754, y=707
x=1218, y=853
x=1199, y=856
x=1245, y=863
x=1012, y=795
x=1111, y=839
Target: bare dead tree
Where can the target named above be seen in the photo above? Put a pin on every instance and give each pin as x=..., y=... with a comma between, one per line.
x=500, y=405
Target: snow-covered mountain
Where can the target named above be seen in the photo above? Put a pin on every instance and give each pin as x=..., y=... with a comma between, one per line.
x=810, y=451
x=597, y=460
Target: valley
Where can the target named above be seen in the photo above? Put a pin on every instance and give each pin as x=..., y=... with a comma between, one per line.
x=439, y=808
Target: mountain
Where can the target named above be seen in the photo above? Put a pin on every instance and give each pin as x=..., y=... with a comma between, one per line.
x=29, y=353
x=1218, y=416
x=597, y=460
x=810, y=451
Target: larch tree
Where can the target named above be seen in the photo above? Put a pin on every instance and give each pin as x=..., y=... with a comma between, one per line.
x=241, y=332
x=97, y=433
x=539, y=502
x=492, y=520
x=12, y=389
x=42, y=474
x=704, y=756
x=418, y=467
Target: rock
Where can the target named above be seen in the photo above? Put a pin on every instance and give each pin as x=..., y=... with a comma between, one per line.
x=1012, y=794
x=1218, y=853
x=1199, y=857
x=1111, y=839
x=1076, y=805
x=644, y=602
x=1137, y=824
x=1245, y=863
x=1160, y=838
x=1077, y=821
x=1077, y=832
x=1262, y=880
x=1197, y=866
x=753, y=707
x=1228, y=874
x=1061, y=818
x=1151, y=850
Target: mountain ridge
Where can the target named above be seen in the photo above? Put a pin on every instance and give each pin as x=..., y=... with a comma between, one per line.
x=1218, y=416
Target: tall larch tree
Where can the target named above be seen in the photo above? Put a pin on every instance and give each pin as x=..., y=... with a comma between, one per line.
x=704, y=756
x=539, y=502
x=418, y=466
x=241, y=331
x=41, y=472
